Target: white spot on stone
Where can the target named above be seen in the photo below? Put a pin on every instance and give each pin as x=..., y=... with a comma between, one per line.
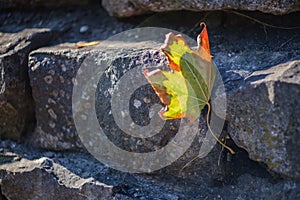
x=271, y=91
x=137, y=103
x=106, y=93
x=36, y=66
x=55, y=93
x=48, y=79
x=52, y=114
x=63, y=68
x=52, y=124
x=147, y=100
x=123, y=114
x=83, y=29
x=74, y=81
x=132, y=125
x=51, y=72
x=51, y=101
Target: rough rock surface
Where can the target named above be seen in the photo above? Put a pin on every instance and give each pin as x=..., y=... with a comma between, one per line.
x=52, y=71
x=21, y=33
x=136, y=7
x=42, y=178
x=33, y=4
x=264, y=117
x=52, y=94
x=240, y=47
x=16, y=104
x=55, y=71
x=61, y=175
x=52, y=74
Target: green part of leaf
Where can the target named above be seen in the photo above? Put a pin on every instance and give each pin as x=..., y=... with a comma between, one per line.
x=179, y=96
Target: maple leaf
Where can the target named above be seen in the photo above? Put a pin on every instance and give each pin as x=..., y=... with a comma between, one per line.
x=186, y=89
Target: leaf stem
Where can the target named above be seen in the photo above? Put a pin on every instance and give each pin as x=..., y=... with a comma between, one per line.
x=223, y=145
x=212, y=133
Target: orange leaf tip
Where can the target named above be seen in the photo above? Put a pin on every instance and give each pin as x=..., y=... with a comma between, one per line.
x=203, y=43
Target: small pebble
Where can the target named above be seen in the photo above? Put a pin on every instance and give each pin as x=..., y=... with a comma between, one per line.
x=83, y=29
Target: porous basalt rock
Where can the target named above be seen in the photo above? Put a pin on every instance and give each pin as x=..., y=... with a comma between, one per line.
x=43, y=178
x=264, y=117
x=137, y=7
x=16, y=103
